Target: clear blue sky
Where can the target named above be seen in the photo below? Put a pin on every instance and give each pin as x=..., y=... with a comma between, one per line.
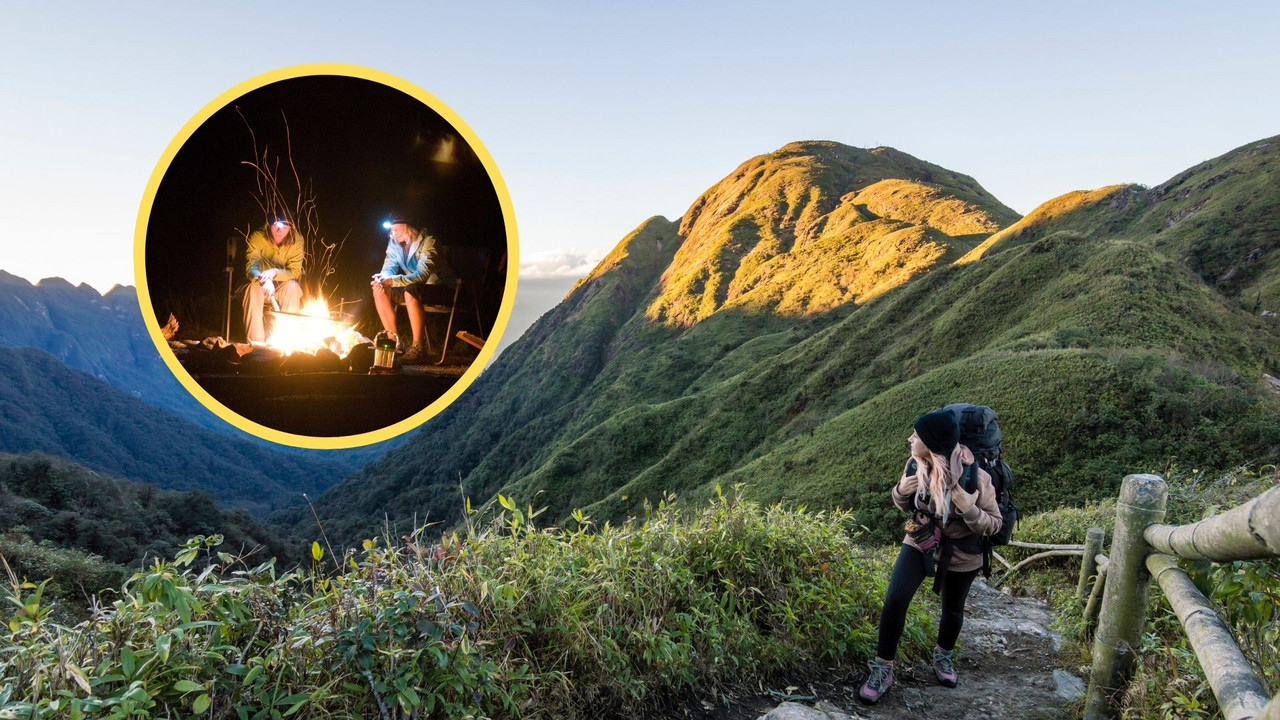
x=600, y=115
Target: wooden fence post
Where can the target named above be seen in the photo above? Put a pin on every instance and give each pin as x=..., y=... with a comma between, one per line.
x=1124, y=599
x=1095, y=595
x=1088, y=566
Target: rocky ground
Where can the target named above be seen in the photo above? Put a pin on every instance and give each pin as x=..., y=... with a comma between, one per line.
x=1007, y=670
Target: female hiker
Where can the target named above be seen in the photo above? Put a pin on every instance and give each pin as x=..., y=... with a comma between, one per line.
x=943, y=541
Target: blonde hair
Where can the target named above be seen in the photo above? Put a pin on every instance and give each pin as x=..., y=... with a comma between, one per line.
x=938, y=483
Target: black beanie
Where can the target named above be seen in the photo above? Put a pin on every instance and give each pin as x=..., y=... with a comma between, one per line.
x=939, y=431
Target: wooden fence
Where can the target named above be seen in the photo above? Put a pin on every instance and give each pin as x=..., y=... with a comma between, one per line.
x=1143, y=549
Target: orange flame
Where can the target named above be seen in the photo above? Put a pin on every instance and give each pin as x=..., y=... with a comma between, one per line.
x=310, y=330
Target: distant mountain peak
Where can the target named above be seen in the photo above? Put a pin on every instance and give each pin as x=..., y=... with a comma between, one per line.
x=124, y=291
x=7, y=278
x=816, y=224
x=54, y=282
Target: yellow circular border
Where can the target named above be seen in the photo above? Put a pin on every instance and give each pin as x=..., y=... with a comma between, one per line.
x=309, y=441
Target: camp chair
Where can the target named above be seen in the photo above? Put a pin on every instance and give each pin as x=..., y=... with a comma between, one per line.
x=472, y=268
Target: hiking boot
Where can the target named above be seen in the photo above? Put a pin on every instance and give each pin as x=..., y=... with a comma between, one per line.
x=942, y=667
x=878, y=682
x=416, y=355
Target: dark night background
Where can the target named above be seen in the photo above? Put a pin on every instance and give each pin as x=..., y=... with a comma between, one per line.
x=367, y=148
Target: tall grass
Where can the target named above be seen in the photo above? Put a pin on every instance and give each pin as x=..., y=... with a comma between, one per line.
x=501, y=620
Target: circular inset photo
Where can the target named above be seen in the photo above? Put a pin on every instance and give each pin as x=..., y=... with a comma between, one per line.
x=325, y=256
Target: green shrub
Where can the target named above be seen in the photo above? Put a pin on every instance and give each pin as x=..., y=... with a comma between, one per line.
x=73, y=577
x=506, y=620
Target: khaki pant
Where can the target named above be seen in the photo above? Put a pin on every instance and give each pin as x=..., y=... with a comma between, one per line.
x=288, y=294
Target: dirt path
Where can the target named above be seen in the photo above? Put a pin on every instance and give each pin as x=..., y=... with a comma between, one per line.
x=1006, y=667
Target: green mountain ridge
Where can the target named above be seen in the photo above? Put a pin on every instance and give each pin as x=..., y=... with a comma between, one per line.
x=1220, y=218
x=787, y=329
x=48, y=407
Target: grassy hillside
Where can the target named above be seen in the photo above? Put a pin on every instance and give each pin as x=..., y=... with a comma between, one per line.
x=810, y=305
x=708, y=601
x=1219, y=218
x=815, y=225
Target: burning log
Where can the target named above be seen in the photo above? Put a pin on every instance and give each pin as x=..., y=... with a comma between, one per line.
x=200, y=360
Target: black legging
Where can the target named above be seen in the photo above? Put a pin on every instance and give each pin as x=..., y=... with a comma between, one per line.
x=908, y=573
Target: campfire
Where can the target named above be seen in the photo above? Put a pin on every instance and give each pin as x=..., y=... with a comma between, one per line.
x=312, y=329
x=315, y=339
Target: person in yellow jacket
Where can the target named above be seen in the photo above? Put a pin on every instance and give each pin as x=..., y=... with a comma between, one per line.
x=274, y=266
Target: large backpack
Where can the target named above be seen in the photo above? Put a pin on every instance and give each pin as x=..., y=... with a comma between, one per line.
x=980, y=433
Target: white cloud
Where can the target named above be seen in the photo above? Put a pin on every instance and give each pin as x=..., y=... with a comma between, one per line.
x=558, y=264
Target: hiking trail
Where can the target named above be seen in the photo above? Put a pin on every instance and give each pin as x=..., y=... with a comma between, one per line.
x=1006, y=659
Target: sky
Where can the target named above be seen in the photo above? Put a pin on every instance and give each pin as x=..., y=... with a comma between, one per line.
x=601, y=115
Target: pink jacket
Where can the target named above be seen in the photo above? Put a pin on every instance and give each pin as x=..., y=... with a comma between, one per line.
x=982, y=518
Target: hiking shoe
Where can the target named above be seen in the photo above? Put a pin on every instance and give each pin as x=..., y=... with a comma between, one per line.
x=942, y=667
x=878, y=682
x=416, y=355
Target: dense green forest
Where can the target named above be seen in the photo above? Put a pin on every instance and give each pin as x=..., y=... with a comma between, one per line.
x=88, y=531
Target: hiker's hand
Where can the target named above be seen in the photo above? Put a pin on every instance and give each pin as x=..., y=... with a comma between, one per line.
x=961, y=499
x=267, y=275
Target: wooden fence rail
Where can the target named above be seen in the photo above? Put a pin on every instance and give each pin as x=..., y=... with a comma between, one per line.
x=1143, y=548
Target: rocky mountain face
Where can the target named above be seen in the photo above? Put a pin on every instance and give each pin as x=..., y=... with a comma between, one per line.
x=785, y=331
x=102, y=335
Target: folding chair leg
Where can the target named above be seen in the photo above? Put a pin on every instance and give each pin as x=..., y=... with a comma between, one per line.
x=475, y=300
x=444, y=349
